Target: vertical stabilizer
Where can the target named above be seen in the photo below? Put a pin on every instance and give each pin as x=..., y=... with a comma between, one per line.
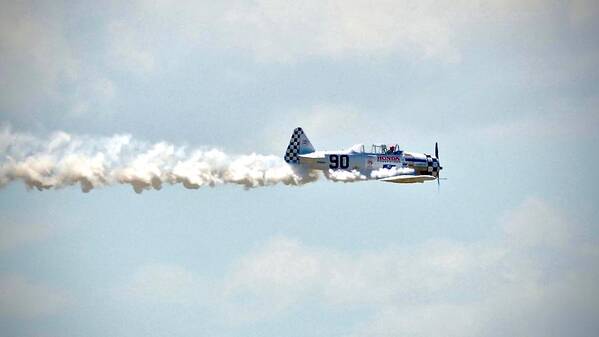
x=299, y=144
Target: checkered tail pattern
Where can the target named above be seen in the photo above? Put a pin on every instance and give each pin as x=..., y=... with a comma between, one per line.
x=299, y=144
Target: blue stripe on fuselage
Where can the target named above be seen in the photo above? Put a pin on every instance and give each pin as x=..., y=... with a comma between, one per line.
x=416, y=160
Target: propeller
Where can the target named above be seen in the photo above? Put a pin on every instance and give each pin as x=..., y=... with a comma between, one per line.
x=438, y=163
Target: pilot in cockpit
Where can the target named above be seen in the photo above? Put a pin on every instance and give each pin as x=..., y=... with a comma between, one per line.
x=391, y=150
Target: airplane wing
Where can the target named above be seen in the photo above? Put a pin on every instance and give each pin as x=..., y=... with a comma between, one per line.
x=408, y=179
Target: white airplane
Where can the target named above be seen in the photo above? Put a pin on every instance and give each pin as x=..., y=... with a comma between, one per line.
x=384, y=163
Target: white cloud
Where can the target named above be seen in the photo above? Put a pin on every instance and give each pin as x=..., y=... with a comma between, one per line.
x=269, y=281
x=489, y=288
x=534, y=223
x=331, y=126
x=104, y=89
x=422, y=320
x=43, y=61
x=13, y=235
x=161, y=283
x=126, y=50
x=94, y=94
x=318, y=121
x=41, y=64
x=437, y=288
x=35, y=55
x=284, y=270
x=22, y=298
x=561, y=120
x=288, y=30
x=583, y=11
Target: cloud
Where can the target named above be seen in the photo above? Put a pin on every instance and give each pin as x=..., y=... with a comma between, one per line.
x=422, y=320
x=36, y=56
x=583, y=11
x=42, y=65
x=534, y=223
x=126, y=53
x=498, y=287
x=161, y=283
x=76, y=70
x=347, y=123
x=14, y=235
x=285, y=31
x=536, y=279
x=21, y=298
x=574, y=123
x=284, y=266
x=288, y=31
x=94, y=93
x=269, y=281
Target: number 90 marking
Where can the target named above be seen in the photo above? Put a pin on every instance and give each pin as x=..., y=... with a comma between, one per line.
x=338, y=161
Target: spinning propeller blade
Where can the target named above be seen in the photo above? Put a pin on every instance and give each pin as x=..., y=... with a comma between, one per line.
x=439, y=170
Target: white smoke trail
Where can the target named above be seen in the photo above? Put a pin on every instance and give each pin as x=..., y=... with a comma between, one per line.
x=345, y=176
x=384, y=173
x=354, y=175
x=65, y=160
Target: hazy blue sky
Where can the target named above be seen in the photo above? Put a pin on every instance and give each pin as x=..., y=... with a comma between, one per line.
x=509, y=246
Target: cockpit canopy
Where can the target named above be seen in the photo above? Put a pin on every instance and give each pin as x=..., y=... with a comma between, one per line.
x=377, y=149
x=386, y=149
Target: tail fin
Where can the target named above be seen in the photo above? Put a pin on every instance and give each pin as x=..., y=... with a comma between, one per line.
x=299, y=144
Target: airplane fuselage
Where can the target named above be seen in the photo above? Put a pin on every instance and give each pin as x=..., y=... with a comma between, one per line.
x=421, y=163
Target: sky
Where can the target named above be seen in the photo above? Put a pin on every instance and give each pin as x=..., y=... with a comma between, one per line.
x=508, y=245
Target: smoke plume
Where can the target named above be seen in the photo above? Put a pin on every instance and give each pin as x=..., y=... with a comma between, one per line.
x=64, y=160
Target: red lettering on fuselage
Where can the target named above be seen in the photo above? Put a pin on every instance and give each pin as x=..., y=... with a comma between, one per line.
x=388, y=158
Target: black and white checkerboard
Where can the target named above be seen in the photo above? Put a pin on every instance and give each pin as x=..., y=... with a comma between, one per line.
x=292, y=153
x=432, y=165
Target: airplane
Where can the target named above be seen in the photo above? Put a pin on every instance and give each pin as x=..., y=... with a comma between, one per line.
x=382, y=162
